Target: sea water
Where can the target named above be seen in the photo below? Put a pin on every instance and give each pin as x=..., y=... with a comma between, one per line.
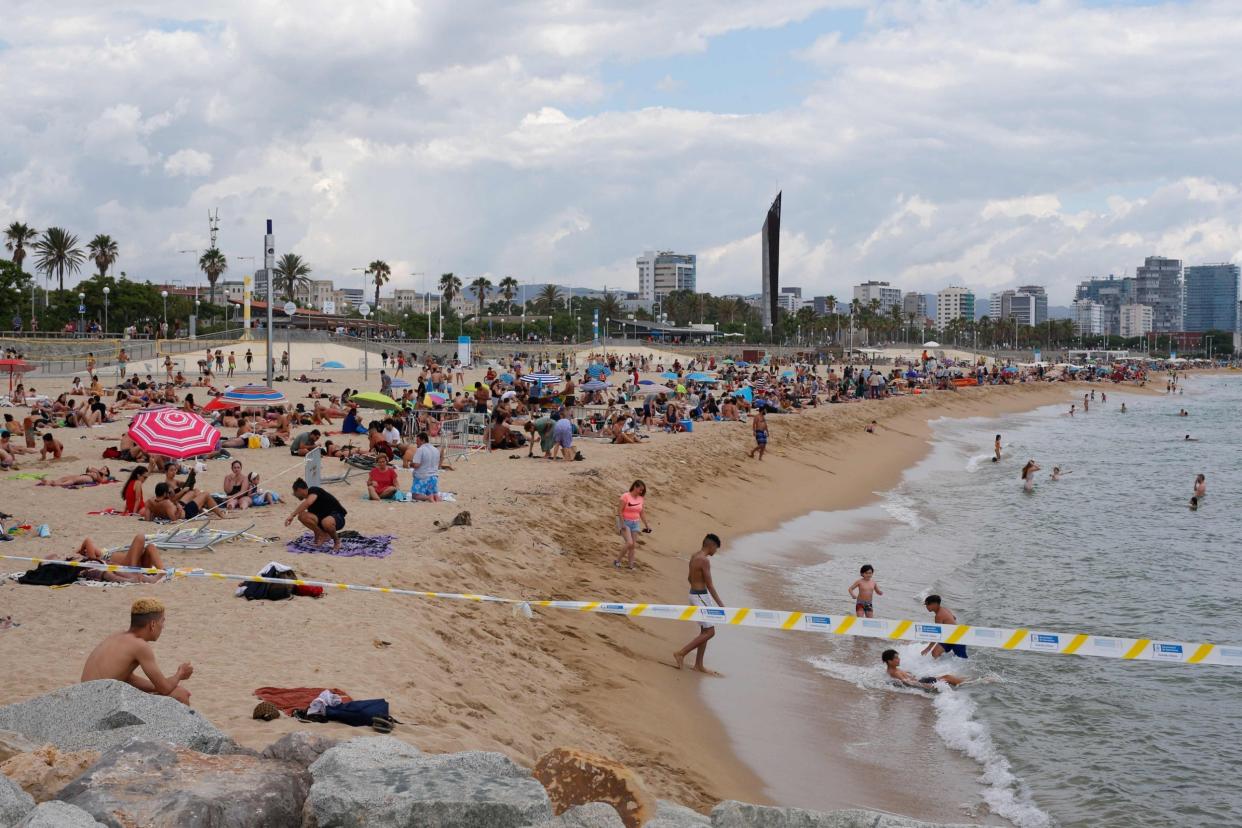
x=1111, y=548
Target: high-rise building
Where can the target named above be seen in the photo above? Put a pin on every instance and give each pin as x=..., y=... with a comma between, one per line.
x=1211, y=298
x=820, y=305
x=1088, y=317
x=659, y=274
x=1135, y=320
x=889, y=297
x=1158, y=283
x=789, y=299
x=914, y=303
x=771, y=262
x=954, y=303
x=1028, y=305
x=1111, y=293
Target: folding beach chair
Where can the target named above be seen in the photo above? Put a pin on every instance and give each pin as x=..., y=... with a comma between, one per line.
x=191, y=539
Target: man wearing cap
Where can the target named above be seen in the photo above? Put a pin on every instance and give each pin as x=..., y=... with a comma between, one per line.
x=121, y=654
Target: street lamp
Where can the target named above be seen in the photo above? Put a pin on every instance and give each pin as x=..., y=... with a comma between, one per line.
x=106, y=291
x=197, y=314
x=81, y=313
x=164, y=296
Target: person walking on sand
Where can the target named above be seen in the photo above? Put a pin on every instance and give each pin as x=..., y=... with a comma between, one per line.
x=759, y=425
x=632, y=519
x=1028, y=475
x=120, y=655
x=702, y=594
x=249, y=360
x=232, y=362
x=864, y=590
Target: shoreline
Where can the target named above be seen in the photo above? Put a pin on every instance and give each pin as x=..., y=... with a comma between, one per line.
x=469, y=676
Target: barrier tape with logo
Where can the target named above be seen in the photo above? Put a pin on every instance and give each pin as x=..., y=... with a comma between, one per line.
x=1039, y=641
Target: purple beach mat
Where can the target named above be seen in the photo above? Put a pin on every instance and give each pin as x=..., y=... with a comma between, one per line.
x=376, y=546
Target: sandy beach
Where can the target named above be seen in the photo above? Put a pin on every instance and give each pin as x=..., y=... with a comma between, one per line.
x=467, y=676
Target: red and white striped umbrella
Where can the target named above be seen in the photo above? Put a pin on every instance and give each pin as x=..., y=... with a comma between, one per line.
x=173, y=432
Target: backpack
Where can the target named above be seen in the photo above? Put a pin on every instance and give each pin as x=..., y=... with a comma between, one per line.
x=358, y=713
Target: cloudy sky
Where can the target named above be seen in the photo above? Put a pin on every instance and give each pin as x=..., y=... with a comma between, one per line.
x=927, y=142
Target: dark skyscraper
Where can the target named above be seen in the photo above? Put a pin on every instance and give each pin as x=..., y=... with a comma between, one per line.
x=771, y=262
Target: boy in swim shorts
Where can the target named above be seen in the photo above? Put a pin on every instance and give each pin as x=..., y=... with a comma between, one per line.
x=702, y=594
x=863, y=591
x=892, y=665
x=943, y=615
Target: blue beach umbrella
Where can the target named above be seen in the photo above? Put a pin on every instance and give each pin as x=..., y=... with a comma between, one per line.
x=741, y=363
x=787, y=373
x=646, y=382
x=332, y=363
x=401, y=383
x=669, y=375
x=699, y=376
x=506, y=377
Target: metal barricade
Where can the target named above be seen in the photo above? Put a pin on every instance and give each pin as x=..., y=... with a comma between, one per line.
x=463, y=434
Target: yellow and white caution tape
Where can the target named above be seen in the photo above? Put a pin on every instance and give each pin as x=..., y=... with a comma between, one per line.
x=1039, y=641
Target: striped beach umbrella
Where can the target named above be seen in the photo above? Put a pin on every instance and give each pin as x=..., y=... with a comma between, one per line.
x=254, y=396
x=759, y=381
x=219, y=404
x=401, y=383
x=594, y=385
x=173, y=432
x=545, y=379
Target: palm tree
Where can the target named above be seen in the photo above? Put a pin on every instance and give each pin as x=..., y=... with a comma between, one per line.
x=213, y=263
x=16, y=236
x=449, y=287
x=508, y=289
x=549, y=296
x=102, y=250
x=380, y=272
x=291, y=273
x=610, y=307
x=481, y=286
x=58, y=251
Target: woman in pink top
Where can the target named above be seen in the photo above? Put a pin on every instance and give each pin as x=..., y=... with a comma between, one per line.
x=631, y=519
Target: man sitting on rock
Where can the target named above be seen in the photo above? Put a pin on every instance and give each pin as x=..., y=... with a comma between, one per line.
x=120, y=655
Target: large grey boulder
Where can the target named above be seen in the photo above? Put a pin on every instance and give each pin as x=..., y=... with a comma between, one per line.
x=672, y=815
x=158, y=784
x=58, y=815
x=591, y=815
x=102, y=714
x=300, y=747
x=381, y=781
x=14, y=802
x=742, y=815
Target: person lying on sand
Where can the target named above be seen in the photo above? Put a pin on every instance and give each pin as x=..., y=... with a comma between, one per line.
x=91, y=477
x=140, y=553
x=892, y=665
x=121, y=654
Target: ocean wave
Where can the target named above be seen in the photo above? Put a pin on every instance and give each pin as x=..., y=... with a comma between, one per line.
x=972, y=465
x=901, y=507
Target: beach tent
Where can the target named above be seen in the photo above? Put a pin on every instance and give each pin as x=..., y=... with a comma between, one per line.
x=332, y=363
x=745, y=393
x=932, y=344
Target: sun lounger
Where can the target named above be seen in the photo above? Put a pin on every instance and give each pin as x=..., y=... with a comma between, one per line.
x=195, y=539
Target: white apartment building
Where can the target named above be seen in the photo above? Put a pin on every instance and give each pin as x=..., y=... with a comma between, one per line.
x=1089, y=317
x=888, y=296
x=789, y=299
x=954, y=303
x=661, y=273
x=315, y=293
x=1136, y=320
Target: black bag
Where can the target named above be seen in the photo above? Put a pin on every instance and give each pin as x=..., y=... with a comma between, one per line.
x=358, y=713
x=50, y=574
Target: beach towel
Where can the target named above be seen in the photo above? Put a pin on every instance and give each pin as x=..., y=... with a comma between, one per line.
x=110, y=511
x=352, y=546
x=28, y=476
x=289, y=699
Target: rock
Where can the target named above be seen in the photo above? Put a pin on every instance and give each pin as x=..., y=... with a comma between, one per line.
x=160, y=784
x=575, y=777
x=382, y=781
x=13, y=743
x=300, y=747
x=56, y=814
x=741, y=815
x=99, y=715
x=591, y=815
x=14, y=802
x=672, y=815
x=44, y=771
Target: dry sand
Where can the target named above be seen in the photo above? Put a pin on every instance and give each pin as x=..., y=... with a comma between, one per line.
x=468, y=676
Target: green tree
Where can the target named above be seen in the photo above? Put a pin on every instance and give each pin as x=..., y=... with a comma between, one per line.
x=13, y=286
x=548, y=297
x=450, y=285
x=291, y=273
x=57, y=250
x=508, y=289
x=213, y=263
x=481, y=286
x=16, y=236
x=103, y=252
x=381, y=273
x=610, y=307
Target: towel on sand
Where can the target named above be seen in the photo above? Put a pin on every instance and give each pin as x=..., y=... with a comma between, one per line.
x=353, y=545
x=289, y=699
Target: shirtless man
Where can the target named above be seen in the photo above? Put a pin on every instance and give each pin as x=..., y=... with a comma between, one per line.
x=892, y=665
x=759, y=426
x=1200, y=486
x=864, y=590
x=703, y=594
x=182, y=506
x=996, y=450
x=942, y=615
x=120, y=655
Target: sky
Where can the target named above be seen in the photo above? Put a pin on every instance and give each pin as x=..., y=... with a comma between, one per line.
x=990, y=143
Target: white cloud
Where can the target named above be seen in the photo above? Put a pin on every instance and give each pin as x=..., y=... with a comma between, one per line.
x=188, y=162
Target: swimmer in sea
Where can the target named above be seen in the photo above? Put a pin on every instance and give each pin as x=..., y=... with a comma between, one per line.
x=1123, y=408
x=1057, y=472
x=863, y=591
x=1071, y=411
x=892, y=665
x=1028, y=475
x=1194, y=504
x=996, y=450
x=1189, y=439
x=1183, y=413
x=1200, y=486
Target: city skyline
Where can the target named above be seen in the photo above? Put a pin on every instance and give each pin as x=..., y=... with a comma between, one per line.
x=514, y=149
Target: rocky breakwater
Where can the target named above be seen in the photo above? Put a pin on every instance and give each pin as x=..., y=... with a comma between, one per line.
x=104, y=753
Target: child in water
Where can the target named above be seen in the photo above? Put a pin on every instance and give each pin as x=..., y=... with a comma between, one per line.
x=863, y=591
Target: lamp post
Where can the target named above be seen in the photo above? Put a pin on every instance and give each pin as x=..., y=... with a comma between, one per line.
x=81, y=313
x=164, y=296
x=106, y=291
x=197, y=315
